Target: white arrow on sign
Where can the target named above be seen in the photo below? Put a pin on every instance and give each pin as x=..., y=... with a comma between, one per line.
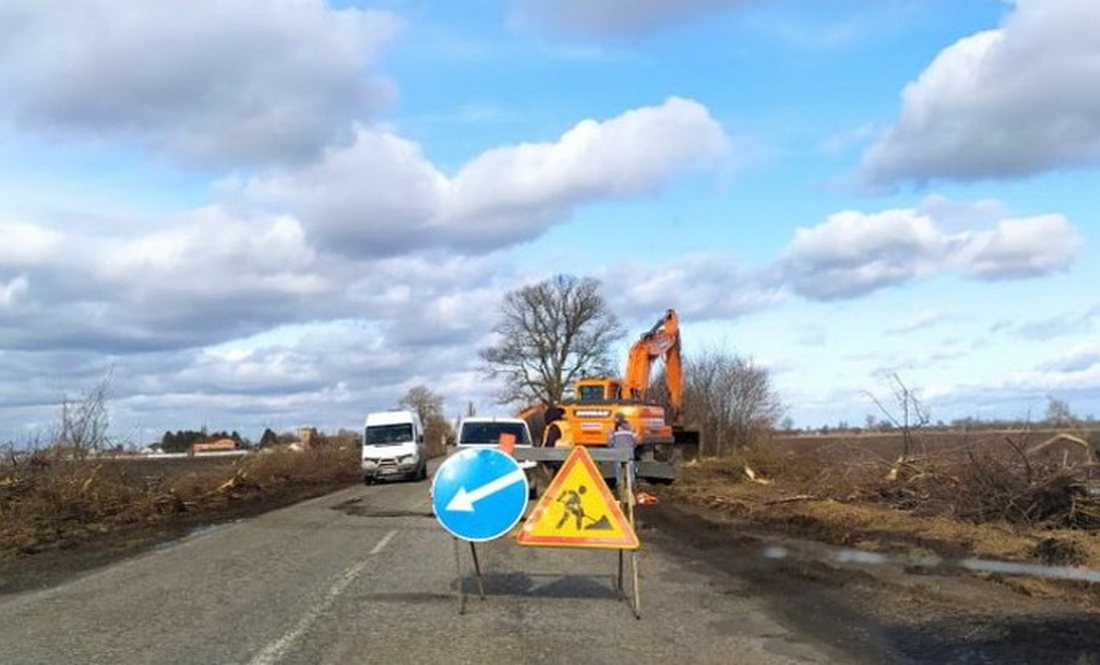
x=463, y=501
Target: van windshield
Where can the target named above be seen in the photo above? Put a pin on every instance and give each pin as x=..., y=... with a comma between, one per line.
x=479, y=433
x=388, y=435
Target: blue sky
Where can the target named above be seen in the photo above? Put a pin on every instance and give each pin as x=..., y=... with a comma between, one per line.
x=273, y=213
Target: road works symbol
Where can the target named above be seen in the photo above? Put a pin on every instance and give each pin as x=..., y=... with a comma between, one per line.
x=578, y=510
x=479, y=494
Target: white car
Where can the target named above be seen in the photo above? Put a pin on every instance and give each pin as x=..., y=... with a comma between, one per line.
x=479, y=431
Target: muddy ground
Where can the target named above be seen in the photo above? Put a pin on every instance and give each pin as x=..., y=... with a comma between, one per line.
x=900, y=613
x=862, y=574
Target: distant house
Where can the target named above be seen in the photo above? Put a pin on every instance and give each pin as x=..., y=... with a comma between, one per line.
x=213, y=446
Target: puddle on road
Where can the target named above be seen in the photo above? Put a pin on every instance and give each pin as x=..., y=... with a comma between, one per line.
x=825, y=554
x=816, y=552
x=175, y=535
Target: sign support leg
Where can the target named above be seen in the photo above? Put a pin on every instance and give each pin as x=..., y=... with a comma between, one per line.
x=477, y=571
x=459, y=581
x=619, y=583
x=623, y=500
x=634, y=554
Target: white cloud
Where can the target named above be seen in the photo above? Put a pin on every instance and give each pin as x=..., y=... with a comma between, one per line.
x=381, y=196
x=1021, y=248
x=853, y=253
x=916, y=322
x=1079, y=358
x=1020, y=99
x=703, y=286
x=595, y=18
x=10, y=290
x=1049, y=327
x=26, y=244
x=248, y=255
x=199, y=278
x=205, y=80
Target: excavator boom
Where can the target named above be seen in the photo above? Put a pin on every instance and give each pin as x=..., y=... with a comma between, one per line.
x=660, y=341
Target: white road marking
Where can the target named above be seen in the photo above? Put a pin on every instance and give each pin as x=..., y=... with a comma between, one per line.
x=382, y=543
x=275, y=651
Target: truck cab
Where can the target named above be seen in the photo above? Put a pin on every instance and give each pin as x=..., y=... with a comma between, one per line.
x=393, y=447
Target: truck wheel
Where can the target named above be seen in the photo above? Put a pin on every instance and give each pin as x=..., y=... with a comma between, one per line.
x=368, y=480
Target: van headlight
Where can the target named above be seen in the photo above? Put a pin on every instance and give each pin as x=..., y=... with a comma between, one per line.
x=407, y=459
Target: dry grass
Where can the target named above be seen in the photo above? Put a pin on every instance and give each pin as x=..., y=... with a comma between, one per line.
x=48, y=502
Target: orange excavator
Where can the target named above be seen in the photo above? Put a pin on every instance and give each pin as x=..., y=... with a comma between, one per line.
x=587, y=419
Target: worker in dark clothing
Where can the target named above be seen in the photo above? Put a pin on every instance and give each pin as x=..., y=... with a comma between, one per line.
x=553, y=431
x=555, y=425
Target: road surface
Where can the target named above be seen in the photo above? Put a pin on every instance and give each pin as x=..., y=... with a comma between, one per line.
x=367, y=575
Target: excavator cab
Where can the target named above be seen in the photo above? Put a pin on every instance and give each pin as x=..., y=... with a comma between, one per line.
x=597, y=390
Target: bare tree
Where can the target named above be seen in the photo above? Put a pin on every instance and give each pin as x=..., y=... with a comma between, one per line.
x=429, y=406
x=730, y=400
x=424, y=402
x=1058, y=413
x=84, y=421
x=550, y=334
x=909, y=418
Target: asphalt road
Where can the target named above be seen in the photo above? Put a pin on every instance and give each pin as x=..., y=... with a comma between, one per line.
x=367, y=575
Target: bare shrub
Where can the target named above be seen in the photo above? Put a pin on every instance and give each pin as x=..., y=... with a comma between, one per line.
x=909, y=416
x=730, y=400
x=83, y=423
x=428, y=405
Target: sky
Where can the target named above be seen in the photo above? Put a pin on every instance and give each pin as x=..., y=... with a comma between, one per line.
x=277, y=213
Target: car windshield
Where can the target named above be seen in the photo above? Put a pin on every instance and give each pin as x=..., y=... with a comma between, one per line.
x=388, y=435
x=482, y=433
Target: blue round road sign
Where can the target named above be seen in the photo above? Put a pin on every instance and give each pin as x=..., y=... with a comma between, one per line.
x=479, y=494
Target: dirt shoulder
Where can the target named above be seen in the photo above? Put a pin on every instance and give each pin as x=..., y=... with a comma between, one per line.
x=870, y=578
x=62, y=518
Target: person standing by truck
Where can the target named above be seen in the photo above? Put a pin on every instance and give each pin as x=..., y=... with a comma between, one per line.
x=622, y=437
x=553, y=426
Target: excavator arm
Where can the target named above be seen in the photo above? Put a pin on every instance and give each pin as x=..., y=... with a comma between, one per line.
x=662, y=341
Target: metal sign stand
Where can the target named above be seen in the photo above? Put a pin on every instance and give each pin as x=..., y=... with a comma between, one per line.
x=626, y=497
x=622, y=459
x=477, y=495
x=461, y=579
x=624, y=462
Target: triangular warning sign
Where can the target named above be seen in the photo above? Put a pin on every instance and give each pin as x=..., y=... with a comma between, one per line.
x=578, y=510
